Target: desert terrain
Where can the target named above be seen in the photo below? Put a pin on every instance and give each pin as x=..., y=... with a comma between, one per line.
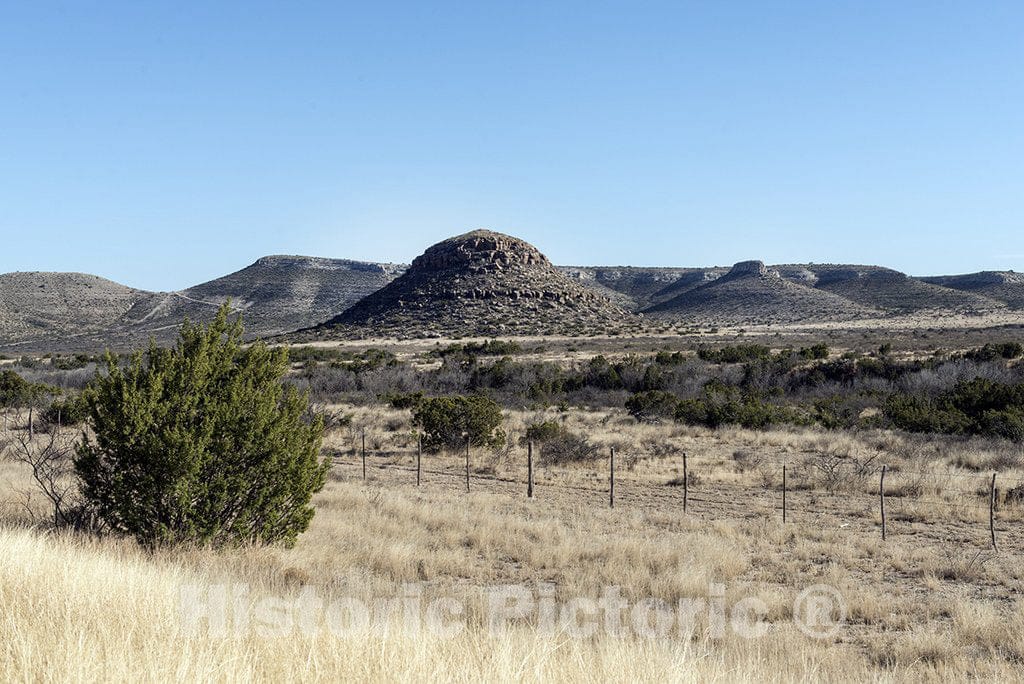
x=934, y=600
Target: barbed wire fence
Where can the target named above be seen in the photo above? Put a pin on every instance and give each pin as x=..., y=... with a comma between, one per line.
x=889, y=497
x=808, y=487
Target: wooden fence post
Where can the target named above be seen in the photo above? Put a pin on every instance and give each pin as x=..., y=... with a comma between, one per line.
x=467, y=462
x=31, y=425
x=881, y=500
x=992, y=511
x=783, y=492
x=529, y=470
x=419, y=456
x=611, y=479
x=364, y=455
x=686, y=483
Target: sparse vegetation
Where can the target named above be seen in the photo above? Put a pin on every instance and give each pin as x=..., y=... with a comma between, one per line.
x=79, y=598
x=558, y=444
x=486, y=348
x=825, y=415
x=751, y=385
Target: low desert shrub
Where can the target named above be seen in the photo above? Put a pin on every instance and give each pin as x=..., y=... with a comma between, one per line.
x=996, y=350
x=652, y=406
x=728, y=406
x=558, y=444
x=68, y=411
x=14, y=390
x=447, y=422
x=979, y=406
x=734, y=354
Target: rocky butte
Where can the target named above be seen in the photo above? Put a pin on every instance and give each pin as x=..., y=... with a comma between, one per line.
x=483, y=283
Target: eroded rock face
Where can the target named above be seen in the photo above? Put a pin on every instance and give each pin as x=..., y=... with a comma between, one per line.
x=480, y=251
x=483, y=282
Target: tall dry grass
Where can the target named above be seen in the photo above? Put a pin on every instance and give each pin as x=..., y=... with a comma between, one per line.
x=104, y=611
x=920, y=607
x=101, y=610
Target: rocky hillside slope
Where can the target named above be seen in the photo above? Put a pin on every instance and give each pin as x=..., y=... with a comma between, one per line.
x=38, y=305
x=481, y=283
x=1003, y=286
x=884, y=288
x=632, y=287
x=751, y=293
x=276, y=294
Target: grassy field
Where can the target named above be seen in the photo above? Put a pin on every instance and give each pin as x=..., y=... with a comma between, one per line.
x=933, y=601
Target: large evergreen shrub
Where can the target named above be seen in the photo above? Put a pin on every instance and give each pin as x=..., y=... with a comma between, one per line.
x=201, y=443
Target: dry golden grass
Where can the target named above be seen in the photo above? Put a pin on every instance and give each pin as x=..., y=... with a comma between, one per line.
x=932, y=603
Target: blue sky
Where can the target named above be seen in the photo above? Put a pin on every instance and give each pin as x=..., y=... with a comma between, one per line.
x=163, y=144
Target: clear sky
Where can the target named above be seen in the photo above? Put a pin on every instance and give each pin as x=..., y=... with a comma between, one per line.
x=163, y=144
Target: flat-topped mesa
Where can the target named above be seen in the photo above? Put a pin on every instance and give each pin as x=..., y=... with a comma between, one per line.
x=289, y=261
x=868, y=274
x=479, y=251
x=750, y=268
x=985, y=278
x=1006, y=287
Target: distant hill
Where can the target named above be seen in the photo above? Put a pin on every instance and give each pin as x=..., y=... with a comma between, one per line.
x=40, y=305
x=691, y=279
x=632, y=287
x=881, y=290
x=751, y=293
x=276, y=294
x=884, y=288
x=1003, y=286
x=481, y=283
